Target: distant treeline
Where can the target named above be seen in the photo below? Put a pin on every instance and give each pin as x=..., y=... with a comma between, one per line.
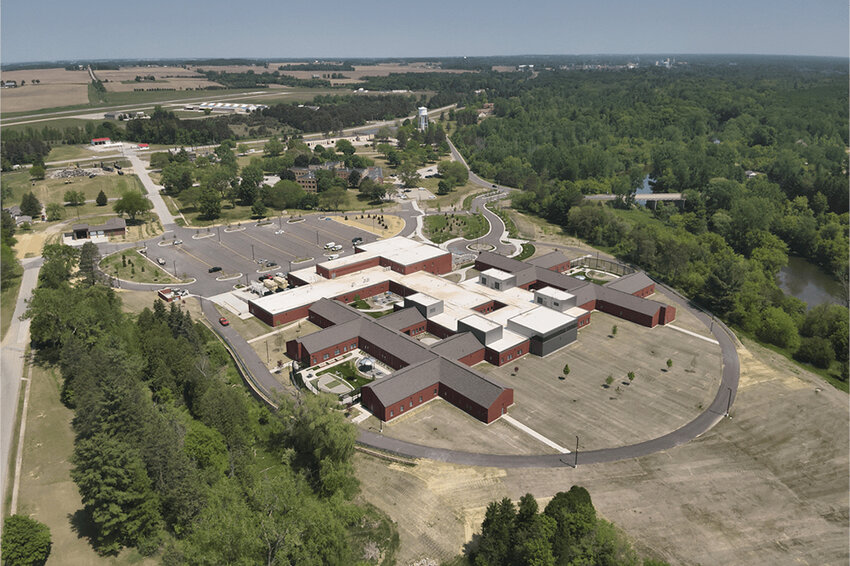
x=343, y=66
x=250, y=79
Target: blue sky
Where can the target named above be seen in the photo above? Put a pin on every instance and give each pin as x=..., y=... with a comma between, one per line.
x=35, y=30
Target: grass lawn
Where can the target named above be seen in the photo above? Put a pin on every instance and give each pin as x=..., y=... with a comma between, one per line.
x=47, y=492
x=349, y=373
x=53, y=190
x=8, y=298
x=442, y=227
x=132, y=266
x=64, y=152
x=360, y=304
x=527, y=251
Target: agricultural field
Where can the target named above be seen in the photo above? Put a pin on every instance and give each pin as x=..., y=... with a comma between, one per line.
x=37, y=97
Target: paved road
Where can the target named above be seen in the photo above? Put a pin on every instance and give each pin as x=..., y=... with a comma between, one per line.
x=12, y=367
x=153, y=191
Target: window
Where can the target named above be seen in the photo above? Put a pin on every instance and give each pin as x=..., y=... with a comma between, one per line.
x=540, y=300
x=401, y=408
x=325, y=357
x=420, y=398
x=314, y=359
x=435, y=391
x=391, y=413
x=336, y=352
x=496, y=285
x=557, y=304
x=411, y=403
x=510, y=357
x=345, y=348
x=519, y=352
x=484, y=280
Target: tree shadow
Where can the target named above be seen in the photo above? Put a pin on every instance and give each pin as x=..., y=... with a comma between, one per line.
x=82, y=525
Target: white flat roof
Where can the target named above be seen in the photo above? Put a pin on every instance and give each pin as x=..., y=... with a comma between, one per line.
x=575, y=312
x=556, y=294
x=422, y=299
x=480, y=323
x=542, y=320
x=497, y=274
x=508, y=340
x=403, y=251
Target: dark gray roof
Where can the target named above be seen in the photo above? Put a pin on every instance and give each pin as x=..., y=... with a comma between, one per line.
x=401, y=319
x=454, y=375
x=457, y=346
x=401, y=346
x=330, y=336
x=549, y=260
x=334, y=311
x=502, y=262
x=111, y=223
x=627, y=301
x=559, y=280
x=630, y=283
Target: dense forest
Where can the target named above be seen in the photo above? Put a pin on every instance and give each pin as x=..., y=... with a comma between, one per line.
x=171, y=454
x=759, y=153
x=566, y=533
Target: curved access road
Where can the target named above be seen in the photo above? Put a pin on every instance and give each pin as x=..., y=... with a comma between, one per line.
x=702, y=423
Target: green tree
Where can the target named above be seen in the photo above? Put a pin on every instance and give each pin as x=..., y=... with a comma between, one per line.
x=37, y=172
x=132, y=204
x=345, y=147
x=566, y=370
x=408, y=174
x=614, y=330
x=252, y=176
x=816, y=351
x=30, y=205
x=453, y=172
x=116, y=492
x=101, y=199
x=669, y=363
x=273, y=147
x=54, y=211
x=631, y=376
x=177, y=176
x=26, y=542
x=778, y=328
x=494, y=547
x=333, y=197
x=354, y=178
x=75, y=198
x=160, y=159
x=209, y=203
x=89, y=260
x=258, y=209
x=443, y=187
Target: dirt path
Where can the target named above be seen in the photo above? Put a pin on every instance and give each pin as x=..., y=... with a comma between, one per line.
x=766, y=487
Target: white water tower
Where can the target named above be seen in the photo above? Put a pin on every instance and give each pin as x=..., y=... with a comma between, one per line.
x=423, y=118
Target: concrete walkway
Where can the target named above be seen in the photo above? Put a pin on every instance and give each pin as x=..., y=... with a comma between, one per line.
x=153, y=192
x=534, y=434
x=12, y=366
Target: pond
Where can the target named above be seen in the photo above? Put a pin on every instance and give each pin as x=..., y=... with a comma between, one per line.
x=809, y=283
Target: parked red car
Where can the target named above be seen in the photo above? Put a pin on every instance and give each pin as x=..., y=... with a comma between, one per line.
x=223, y=321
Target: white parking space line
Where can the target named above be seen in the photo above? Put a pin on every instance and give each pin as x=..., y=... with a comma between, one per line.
x=694, y=334
x=512, y=421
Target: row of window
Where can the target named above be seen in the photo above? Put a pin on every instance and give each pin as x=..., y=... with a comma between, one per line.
x=346, y=348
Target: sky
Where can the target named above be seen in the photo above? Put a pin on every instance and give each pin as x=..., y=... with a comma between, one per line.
x=47, y=30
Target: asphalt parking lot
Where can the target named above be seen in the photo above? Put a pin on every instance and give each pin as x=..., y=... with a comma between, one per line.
x=237, y=250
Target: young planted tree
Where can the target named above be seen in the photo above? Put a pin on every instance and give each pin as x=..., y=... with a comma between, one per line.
x=566, y=370
x=101, y=199
x=669, y=363
x=614, y=330
x=631, y=376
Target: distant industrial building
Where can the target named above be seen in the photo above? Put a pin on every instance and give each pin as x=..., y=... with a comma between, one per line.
x=227, y=107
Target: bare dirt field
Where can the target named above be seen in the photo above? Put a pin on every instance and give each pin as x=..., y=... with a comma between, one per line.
x=36, y=97
x=395, y=224
x=768, y=486
x=53, y=76
x=159, y=73
x=440, y=424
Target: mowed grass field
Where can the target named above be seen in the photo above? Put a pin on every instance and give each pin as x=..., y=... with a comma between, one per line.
x=47, y=492
x=53, y=190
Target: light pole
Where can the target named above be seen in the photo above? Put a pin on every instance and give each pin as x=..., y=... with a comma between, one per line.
x=252, y=253
x=175, y=268
x=575, y=463
x=729, y=403
x=218, y=230
x=268, y=357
